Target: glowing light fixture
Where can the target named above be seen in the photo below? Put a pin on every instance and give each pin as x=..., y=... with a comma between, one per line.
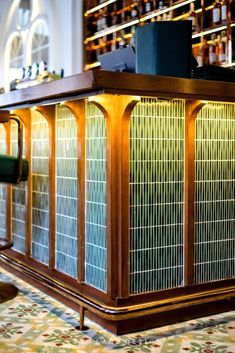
x=98, y=7
x=213, y=30
x=92, y=66
x=112, y=30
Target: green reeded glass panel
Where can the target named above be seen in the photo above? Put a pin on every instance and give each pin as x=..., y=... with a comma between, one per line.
x=214, y=194
x=2, y=186
x=66, y=192
x=96, y=252
x=156, y=195
x=19, y=210
x=40, y=176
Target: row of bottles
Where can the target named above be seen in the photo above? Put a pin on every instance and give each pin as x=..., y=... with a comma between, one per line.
x=211, y=50
x=214, y=51
x=204, y=14
x=122, y=11
x=208, y=15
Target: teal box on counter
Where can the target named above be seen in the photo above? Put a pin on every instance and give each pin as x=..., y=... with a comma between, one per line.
x=164, y=48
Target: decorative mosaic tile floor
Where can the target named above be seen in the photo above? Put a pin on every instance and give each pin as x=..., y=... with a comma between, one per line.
x=34, y=322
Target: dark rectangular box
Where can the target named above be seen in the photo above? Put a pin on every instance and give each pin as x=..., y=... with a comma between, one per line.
x=164, y=48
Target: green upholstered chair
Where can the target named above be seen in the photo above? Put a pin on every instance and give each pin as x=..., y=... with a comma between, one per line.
x=12, y=171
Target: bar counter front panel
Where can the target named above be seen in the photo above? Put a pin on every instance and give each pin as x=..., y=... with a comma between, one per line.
x=129, y=209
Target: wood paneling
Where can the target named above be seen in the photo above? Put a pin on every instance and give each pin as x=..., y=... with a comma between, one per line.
x=192, y=109
x=117, y=113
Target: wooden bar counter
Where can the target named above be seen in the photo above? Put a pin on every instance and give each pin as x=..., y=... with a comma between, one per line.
x=128, y=214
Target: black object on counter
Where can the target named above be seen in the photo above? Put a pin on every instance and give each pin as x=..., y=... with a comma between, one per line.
x=119, y=60
x=214, y=73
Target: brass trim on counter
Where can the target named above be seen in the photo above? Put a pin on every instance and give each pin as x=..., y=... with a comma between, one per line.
x=123, y=312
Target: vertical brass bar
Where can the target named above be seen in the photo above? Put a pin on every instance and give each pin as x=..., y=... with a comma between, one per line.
x=116, y=110
x=8, y=188
x=192, y=109
x=82, y=316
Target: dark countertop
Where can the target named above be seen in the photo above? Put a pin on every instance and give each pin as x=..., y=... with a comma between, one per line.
x=99, y=81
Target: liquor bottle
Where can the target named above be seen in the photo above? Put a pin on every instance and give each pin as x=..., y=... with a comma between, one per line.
x=161, y=5
x=205, y=48
x=216, y=13
x=126, y=13
x=212, y=51
x=105, y=44
x=147, y=6
x=99, y=21
x=134, y=10
x=89, y=4
x=165, y=17
x=233, y=44
x=207, y=18
x=96, y=47
x=108, y=41
x=91, y=26
x=224, y=11
x=200, y=55
x=122, y=43
x=192, y=17
x=115, y=15
x=114, y=43
x=105, y=19
x=222, y=48
x=232, y=9
x=155, y=4
x=132, y=39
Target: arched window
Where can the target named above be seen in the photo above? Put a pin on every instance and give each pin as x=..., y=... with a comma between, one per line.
x=40, y=43
x=16, y=57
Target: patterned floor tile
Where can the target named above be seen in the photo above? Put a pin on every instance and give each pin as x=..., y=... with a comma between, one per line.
x=33, y=322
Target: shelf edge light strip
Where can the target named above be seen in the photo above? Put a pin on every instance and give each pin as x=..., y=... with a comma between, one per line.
x=168, y=9
x=213, y=30
x=96, y=8
x=112, y=30
x=93, y=65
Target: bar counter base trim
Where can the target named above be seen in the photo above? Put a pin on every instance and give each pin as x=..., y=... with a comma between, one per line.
x=132, y=318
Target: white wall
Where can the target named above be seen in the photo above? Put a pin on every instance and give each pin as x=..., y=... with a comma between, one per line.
x=65, y=22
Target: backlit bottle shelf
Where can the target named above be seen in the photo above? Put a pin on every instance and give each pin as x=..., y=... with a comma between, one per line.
x=103, y=39
x=229, y=64
x=133, y=22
